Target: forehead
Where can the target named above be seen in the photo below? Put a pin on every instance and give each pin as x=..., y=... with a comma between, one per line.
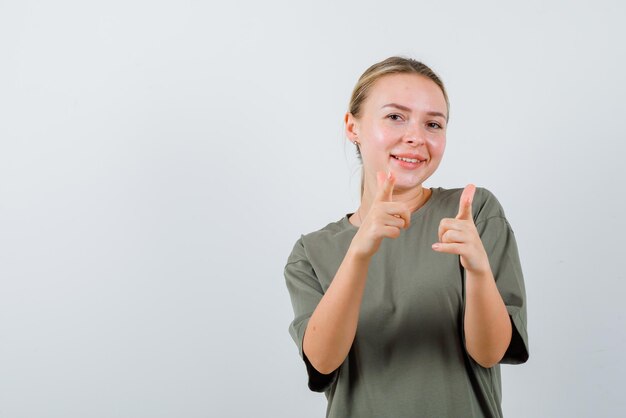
x=411, y=90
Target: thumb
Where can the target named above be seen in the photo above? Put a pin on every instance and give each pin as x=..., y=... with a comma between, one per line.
x=465, y=205
x=385, y=186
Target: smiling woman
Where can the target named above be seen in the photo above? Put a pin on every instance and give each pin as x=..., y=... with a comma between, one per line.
x=416, y=324
x=404, y=115
x=396, y=66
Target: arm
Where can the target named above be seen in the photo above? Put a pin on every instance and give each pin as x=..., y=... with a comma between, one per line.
x=332, y=327
x=488, y=327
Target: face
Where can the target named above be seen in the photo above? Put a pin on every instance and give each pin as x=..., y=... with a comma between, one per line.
x=404, y=115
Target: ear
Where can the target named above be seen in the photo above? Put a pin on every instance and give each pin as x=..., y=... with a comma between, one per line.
x=352, y=126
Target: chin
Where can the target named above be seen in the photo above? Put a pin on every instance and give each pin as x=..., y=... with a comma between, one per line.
x=407, y=185
x=408, y=180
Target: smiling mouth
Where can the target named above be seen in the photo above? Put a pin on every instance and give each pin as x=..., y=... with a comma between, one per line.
x=408, y=160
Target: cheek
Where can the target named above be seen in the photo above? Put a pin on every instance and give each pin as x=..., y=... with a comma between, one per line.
x=381, y=129
x=437, y=144
x=381, y=135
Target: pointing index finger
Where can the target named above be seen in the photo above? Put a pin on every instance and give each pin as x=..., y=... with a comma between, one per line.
x=386, y=182
x=465, y=204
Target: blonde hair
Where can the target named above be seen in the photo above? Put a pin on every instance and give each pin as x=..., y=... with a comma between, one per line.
x=392, y=65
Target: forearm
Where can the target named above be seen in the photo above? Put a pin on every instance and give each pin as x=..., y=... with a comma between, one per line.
x=332, y=327
x=487, y=325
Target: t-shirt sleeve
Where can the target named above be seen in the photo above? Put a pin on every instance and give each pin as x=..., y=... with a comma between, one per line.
x=499, y=241
x=305, y=292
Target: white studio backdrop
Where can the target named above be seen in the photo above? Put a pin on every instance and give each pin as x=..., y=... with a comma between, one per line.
x=158, y=160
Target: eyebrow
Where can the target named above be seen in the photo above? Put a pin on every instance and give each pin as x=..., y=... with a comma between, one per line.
x=408, y=109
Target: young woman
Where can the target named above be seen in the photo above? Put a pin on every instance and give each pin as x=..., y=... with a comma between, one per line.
x=415, y=325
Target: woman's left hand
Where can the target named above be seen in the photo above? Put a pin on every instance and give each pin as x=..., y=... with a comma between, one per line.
x=459, y=236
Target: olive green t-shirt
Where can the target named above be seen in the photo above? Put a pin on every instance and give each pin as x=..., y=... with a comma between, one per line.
x=408, y=358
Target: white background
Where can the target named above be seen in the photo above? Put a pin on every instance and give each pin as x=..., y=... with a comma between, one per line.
x=159, y=159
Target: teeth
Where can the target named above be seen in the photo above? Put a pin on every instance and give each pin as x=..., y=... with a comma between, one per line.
x=408, y=160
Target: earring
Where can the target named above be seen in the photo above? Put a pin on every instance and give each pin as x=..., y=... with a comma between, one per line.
x=355, y=142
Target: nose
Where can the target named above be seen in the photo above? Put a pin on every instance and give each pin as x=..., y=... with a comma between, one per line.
x=414, y=135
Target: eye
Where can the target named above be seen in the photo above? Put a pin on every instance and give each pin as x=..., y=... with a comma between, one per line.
x=395, y=117
x=436, y=125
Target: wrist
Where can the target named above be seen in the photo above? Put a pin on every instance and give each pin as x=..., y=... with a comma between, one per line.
x=357, y=256
x=481, y=273
x=480, y=267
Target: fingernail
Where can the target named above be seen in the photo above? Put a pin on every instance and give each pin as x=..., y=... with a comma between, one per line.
x=435, y=246
x=388, y=174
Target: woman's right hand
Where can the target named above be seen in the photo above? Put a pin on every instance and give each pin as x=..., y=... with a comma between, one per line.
x=384, y=219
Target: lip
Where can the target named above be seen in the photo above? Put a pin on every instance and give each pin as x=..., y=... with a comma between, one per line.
x=412, y=156
x=408, y=165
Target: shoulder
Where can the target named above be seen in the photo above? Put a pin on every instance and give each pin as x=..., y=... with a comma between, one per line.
x=486, y=205
x=323, y=238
